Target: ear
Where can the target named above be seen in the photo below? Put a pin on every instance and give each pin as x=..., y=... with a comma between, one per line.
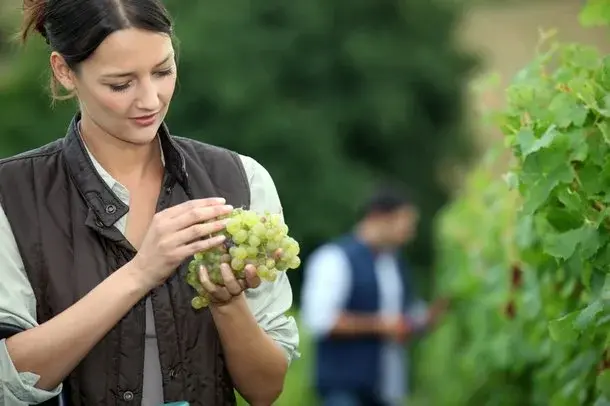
x=62, y=72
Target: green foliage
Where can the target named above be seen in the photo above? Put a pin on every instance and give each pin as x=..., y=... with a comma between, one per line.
x=558, y=127
x=596, y=13
x=489, y=355
x=526, y=259
x=348, y=91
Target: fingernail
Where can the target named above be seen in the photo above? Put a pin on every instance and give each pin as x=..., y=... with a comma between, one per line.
x=221, y=200
x=229, y=207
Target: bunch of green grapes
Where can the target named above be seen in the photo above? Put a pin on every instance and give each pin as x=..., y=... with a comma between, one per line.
x=262, y=241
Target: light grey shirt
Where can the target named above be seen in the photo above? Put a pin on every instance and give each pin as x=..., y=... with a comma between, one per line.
x=268, y=303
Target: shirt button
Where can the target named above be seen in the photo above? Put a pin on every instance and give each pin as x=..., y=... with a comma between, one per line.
x=173, y=373
x=111, y=208
x=128, y=396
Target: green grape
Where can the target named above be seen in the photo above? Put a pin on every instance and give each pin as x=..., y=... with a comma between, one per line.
x=263, y=271
x=251, y=239
x=272, y=246
x=272, y=275
x=251, y=218
x=233, y=226
x=254, y=241
x=252, y=252
x=240, y=253
x=241, y=236
x=237, y=264
x=259, y=230
x=199, y=302
x=294, y=263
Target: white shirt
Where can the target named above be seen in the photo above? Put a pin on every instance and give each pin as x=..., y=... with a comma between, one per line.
x=269, y=302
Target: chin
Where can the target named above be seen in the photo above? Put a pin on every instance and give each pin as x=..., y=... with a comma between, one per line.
x=141, y=136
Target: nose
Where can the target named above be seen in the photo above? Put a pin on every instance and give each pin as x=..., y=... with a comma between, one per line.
x=147, y=96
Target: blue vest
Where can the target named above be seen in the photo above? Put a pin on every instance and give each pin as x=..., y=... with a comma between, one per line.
x=354, y=363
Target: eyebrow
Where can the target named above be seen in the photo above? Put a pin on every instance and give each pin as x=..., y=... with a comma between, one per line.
x=125, y=74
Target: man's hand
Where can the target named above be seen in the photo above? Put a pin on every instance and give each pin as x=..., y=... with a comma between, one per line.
x=396, y=329
x=437, y=309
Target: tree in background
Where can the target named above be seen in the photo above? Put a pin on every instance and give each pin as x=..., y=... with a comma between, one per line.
x=329, y=96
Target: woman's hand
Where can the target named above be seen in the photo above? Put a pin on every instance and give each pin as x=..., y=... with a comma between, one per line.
x=220, y=295
x=231, y=287
x=176, y=234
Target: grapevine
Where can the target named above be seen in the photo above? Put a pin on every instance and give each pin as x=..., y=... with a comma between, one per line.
x=251, y=239
x=527, y=257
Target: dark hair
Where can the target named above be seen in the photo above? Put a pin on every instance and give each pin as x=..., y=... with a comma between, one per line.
x=75, y=28
x=386, y=198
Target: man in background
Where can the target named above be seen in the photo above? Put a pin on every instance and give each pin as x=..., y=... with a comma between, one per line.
x=358, y=306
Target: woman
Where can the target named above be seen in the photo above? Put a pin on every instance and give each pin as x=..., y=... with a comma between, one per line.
x=96, y=229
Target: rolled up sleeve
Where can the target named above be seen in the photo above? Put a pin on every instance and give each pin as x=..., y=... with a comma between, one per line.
x=271, y=302
x=18, y=309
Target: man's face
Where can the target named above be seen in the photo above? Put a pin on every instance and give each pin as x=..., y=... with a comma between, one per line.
x=400, y=225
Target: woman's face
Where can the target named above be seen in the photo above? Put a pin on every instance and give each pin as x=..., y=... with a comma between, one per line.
x=125, y=87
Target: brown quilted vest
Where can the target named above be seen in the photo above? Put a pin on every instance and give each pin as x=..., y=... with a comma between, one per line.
x=62, y=213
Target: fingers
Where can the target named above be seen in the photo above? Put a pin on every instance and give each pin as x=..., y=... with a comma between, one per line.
x=190, y=205
x=220, y=293
x=217, y=293
x=253, y=281
x=232, y=287
x=197, y=231
x=200, y=245
x=198, y=215
x=277, y=254
x=230, y=282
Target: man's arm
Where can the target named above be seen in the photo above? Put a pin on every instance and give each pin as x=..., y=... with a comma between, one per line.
x=422, y=317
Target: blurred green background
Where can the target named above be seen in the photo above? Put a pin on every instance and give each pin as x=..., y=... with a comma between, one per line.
x=329, y=96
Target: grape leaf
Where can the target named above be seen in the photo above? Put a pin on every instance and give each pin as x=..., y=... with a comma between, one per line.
x=562, y=330
x=567, y=111
x=530, y=144
x=595, y=13
x=563, y=245
x=586, y=317
x=541, y=189
x=603, y=383
x=605, y=291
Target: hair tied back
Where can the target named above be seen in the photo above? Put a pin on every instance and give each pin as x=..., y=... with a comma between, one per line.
x=34, y=18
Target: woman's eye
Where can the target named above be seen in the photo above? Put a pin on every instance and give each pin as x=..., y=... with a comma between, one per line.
x=125, y=86
x=165, y=72
x=119, y=88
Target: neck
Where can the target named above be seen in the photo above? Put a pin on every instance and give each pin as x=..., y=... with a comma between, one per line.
x=126, y=162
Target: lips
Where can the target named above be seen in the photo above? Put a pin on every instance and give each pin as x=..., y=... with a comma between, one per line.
x=145, y=121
